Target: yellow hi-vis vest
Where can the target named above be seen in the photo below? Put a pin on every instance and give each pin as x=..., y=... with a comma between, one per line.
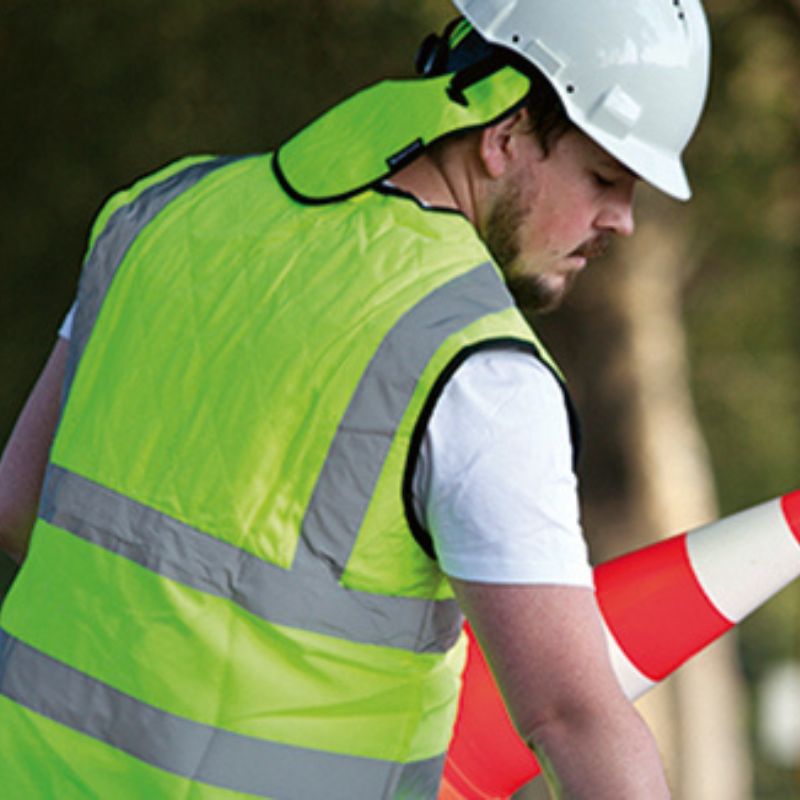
x=223, y=596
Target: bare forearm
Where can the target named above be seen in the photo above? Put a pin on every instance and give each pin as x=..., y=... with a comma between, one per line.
x=21, y=473
x=25, y=456
x=547, y=650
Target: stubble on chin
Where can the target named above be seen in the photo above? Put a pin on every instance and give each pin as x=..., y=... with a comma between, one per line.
x=532, y=292
x=538, y=294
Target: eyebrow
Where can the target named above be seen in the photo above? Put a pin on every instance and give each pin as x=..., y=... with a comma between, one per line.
x=612, y=163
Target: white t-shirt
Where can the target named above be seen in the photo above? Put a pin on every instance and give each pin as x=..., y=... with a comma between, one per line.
x=494, y=482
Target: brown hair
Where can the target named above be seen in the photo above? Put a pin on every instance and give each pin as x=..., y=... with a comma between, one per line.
x=548, y=117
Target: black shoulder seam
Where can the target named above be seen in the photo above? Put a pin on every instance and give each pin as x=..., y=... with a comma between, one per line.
x=305, y=199
x=390, y=190
x=418, y=530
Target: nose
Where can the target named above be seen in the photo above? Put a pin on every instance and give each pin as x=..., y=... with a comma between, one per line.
x=616, y=216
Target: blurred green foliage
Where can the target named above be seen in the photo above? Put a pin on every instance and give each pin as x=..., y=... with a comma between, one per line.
x=96, y=93
x=740, y=305
x=742, y=297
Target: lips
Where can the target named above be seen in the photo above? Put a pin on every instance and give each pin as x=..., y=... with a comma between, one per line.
x=594, y=247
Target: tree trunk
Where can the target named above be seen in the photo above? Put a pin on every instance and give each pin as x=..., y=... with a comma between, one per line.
x=698, y=714
x=645, y=474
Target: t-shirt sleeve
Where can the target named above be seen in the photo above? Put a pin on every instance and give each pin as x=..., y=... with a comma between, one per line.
x=494, y=483
x=65, y=331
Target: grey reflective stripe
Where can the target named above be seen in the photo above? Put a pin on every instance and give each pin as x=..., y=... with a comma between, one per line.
x=200, y=752
x=113, y=243
x=295, y=598
x=367, y=429
x=309, y=596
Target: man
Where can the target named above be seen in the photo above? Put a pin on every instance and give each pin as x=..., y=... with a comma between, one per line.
x=302, y=416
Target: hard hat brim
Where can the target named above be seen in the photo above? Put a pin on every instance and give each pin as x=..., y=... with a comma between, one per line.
x=664, y=171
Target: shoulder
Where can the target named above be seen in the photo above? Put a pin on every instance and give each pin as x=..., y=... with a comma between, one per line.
x=501, y=389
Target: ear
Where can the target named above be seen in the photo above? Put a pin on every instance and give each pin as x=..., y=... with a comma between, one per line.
x=497, y=143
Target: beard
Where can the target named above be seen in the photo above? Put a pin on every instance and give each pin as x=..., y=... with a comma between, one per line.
x=533, y=291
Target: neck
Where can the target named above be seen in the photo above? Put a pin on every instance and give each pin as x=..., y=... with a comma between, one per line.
x=437, y=181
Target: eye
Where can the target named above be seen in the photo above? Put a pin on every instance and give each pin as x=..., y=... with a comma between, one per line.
x=602, y=180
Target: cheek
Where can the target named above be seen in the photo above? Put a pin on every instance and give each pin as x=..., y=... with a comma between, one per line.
x=560, y=230
x=570, y=220
x=561, y=218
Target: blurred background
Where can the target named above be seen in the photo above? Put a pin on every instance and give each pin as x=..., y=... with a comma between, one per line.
x=682, y=346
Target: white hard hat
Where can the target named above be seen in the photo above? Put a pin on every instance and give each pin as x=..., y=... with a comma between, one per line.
x=632, y=74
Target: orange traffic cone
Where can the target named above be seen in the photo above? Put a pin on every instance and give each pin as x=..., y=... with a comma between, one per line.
x=661, y=605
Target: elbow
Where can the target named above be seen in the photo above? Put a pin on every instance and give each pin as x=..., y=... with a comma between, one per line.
x=545, y=727
x=16, y=554
x=564, y=721
x=14, y=536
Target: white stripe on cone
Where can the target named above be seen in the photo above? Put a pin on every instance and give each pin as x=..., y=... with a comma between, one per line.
x=739, y=562
x=634, y=683
x=744, y=559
